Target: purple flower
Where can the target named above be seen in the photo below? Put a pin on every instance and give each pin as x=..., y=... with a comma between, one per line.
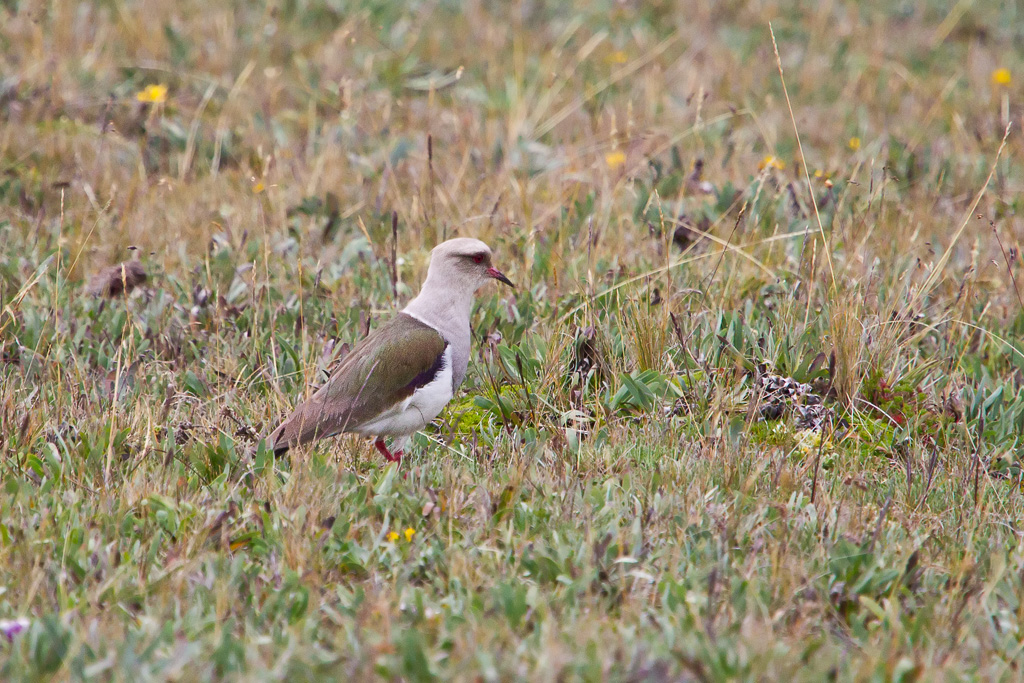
x=12, y=627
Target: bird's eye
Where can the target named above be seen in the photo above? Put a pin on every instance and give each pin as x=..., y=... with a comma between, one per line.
x=478, y=258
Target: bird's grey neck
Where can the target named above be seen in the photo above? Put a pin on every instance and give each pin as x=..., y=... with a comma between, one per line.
x=442, y=306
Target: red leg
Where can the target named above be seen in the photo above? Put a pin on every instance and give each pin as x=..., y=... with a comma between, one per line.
x=388, y=455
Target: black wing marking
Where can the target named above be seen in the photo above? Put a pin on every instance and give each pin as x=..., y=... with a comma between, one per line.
x=427, y=376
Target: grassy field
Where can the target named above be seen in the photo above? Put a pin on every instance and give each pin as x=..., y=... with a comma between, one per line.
x=753, y=413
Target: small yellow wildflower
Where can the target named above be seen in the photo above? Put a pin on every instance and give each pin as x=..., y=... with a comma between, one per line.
x=808, y=441
x=409, y=533
x=854, y=143
x=618, y=57
x=615, y=159
x=258, y=187
x=152, y=94
x=1001, y=77
x=393, y=536
x=771, y=161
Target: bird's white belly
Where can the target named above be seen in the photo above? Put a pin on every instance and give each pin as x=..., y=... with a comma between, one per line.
x=417, y=411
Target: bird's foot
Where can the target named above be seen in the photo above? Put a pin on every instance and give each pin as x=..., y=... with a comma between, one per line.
x=388, y=455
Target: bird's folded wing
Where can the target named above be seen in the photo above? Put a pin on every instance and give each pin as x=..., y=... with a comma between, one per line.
x=382, y=370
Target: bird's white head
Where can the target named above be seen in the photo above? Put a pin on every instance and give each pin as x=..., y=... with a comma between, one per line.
x=463, y=263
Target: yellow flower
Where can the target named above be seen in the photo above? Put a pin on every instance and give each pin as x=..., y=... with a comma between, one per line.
x=615, y=159
x=808, y=441
x=153, y=94
x=1001, y=77
x=409, y=533
x=258, y=187
x=393, y=536
x=772, y=162
x=617, y=57
x=854, y=143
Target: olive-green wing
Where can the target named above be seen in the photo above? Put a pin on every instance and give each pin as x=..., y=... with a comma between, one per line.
x=382, y=370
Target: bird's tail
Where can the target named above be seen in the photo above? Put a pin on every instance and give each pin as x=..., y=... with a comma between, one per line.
x=306, y=424
x=277, y=442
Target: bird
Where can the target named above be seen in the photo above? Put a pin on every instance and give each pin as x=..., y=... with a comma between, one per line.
x=400, y=376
